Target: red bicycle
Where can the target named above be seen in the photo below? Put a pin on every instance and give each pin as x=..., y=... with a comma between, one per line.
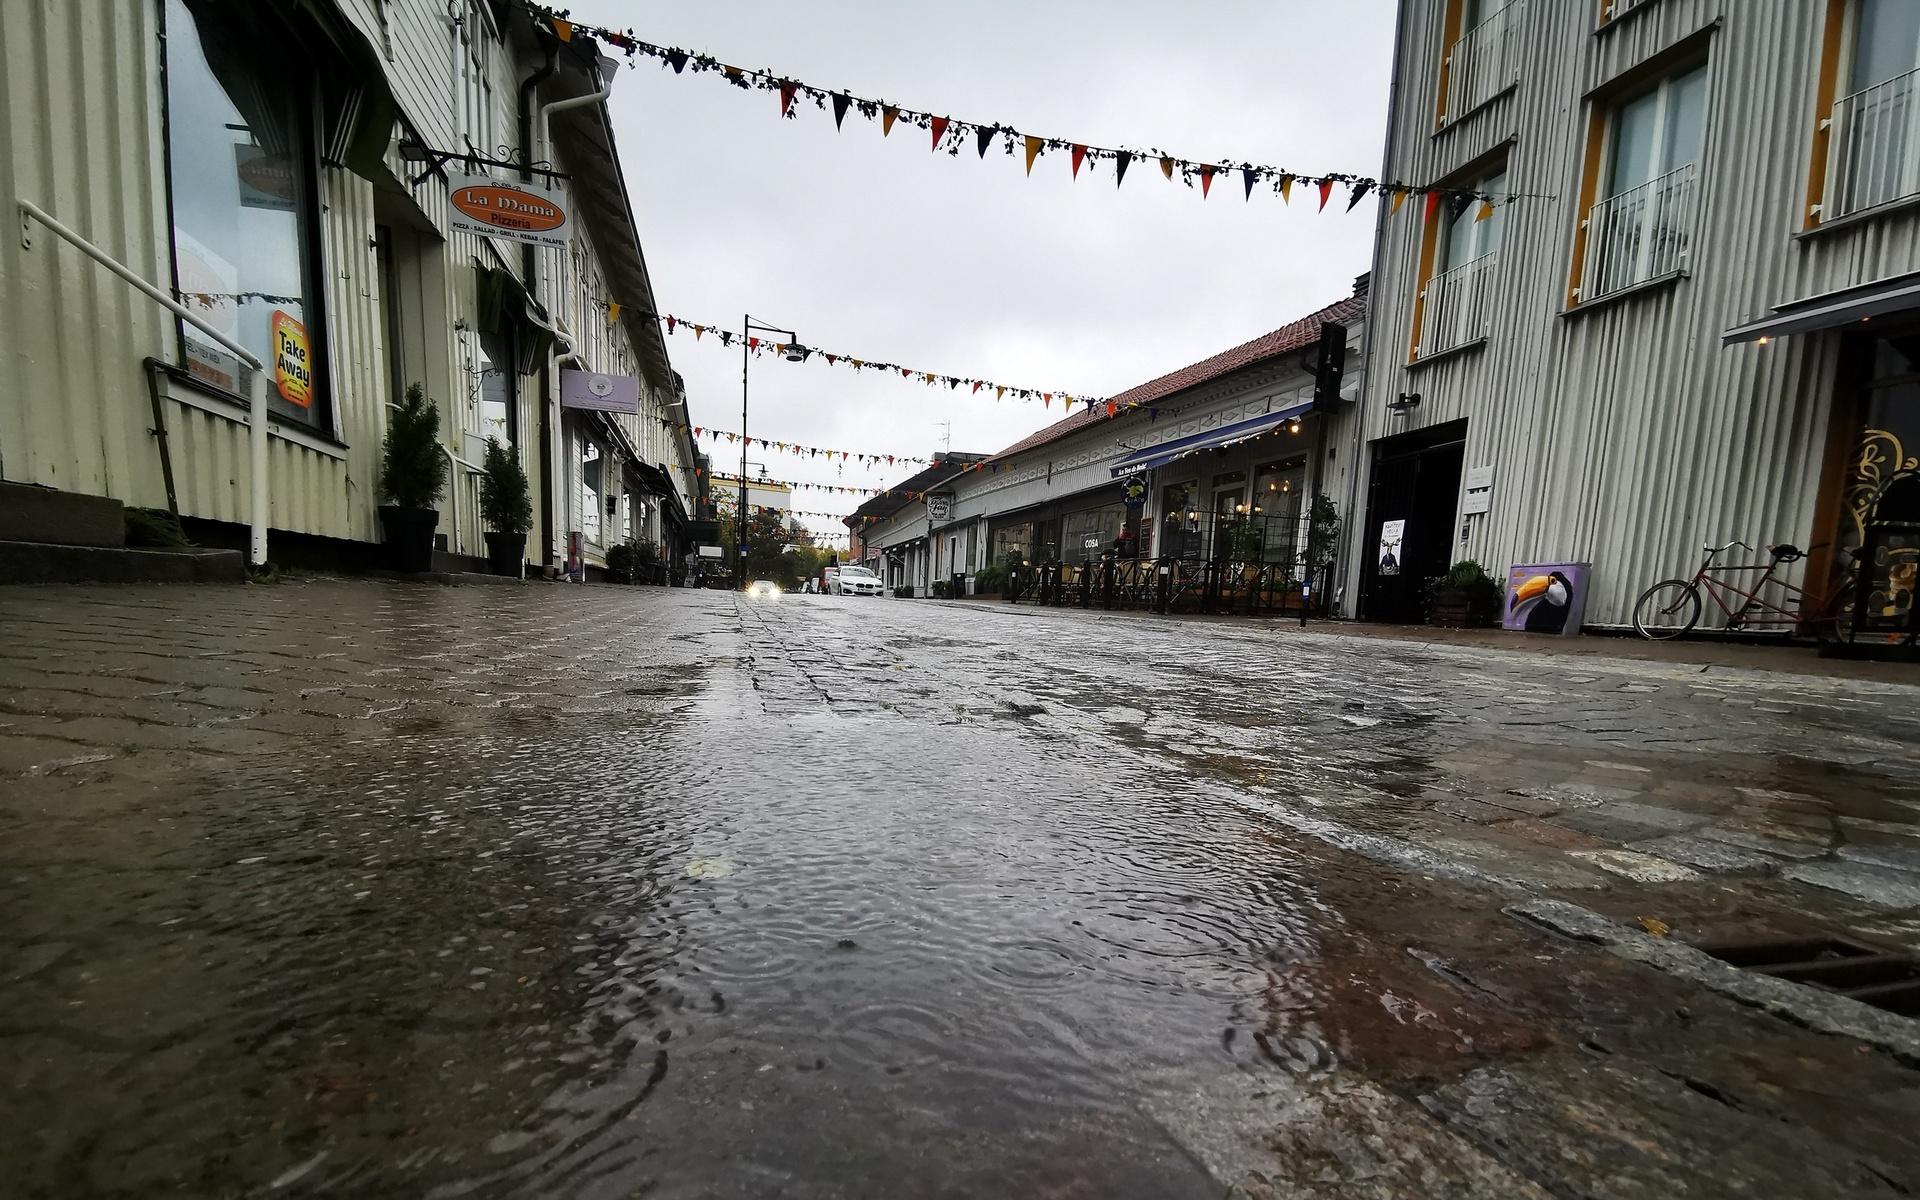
x=1672, y=607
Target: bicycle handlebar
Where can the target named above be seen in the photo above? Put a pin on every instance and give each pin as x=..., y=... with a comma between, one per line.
x=1727, y=547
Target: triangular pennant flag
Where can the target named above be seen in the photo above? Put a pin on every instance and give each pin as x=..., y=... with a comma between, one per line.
x=1359, y=192
x=983, y=135
x=787, y=91
x=1399, y=198
x=888, y=115
x=1033, y=151
x=905, y=374
x=976, y=387
x=697, y=331
x=753, y=343
x=1286, y=189
x=677, y=59
x=1326, y=189
x=939, y=127
x=733, y=74
x=1206, y=181
x=670, y=324
x=1079, y=156
x=1166, y=167
x=726, y=337
x=840, y=102
x=1112, y=408
x=613, y=312
x=1120, y=160
x=830, y=358
x=1247, y=176
x=563, y=29
x=1486, y=210
x=952, y=383
x=999, y=392
x=1046, y=400
x=1433, y=205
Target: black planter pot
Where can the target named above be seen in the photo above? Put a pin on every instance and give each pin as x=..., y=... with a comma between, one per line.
x=505, y=553
x=409, y=534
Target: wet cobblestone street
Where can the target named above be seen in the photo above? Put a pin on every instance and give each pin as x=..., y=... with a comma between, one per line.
x=349, y=888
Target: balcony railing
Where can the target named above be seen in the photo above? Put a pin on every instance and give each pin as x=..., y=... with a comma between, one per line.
x=1643, y=233
x=1457, y=306
x=1875, y=148
x=1620, y=8
x=1484, y=62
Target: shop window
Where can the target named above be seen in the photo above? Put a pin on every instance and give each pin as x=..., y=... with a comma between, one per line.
x=1866, y=146
x=240, y=172
x=1459, y=255
x=493, y=411
x=1090, y=533
x=590, y=493
x=1483, y=54
x=1180, y=524
x=1013, y=544
x=1277, y=491
x=1643, y=164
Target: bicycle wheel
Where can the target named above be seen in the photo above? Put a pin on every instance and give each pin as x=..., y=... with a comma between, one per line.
x=1836, y=624
x=1667, y=610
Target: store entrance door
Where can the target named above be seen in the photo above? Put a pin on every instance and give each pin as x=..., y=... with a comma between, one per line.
x=1410, y=520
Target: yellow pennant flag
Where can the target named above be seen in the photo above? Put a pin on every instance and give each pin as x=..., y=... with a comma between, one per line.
x=857, y=363
x=999, y=392
x=613, y=313
x=1166, y=167
x=888, y=115
x=563, y=29
x=697, y=331
x=779, y=347
x=1286, y=189
x=1486, y=210
x=1399, y=198
x=732, y=73
x=1033, y=151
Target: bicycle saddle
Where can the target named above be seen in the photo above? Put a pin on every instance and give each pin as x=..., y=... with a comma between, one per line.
x=1786, y=552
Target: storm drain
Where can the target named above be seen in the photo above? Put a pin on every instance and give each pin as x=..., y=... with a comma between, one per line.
x=1846, y=968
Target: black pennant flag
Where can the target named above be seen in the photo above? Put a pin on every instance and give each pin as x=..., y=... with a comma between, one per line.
x=677, y=59
x=1120, y=160
x=984, y=135
x=840, y=102
x=1360, y=191
x=1248, y=175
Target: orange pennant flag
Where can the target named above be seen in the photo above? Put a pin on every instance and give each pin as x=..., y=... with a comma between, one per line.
x=888, y=115
x=939, y=130
x=732, y=73
x=1033, y=151
x=1399, y=198
x=613, y=312
x=697, y=331
x=1079, y=156
x=1166, y=166
x=1486, y=210
x=563, y=29
x=998, y=392
x=1286, y=189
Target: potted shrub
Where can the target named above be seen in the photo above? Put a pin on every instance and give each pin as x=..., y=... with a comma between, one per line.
x=1464, y=597
x=506, y=505
x=987, y=581
x=412, y=473
x=646, y=554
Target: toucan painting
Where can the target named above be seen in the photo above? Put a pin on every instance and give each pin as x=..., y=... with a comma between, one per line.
x=1541, y=603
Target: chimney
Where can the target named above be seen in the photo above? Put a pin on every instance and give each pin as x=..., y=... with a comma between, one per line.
x=1362, y=282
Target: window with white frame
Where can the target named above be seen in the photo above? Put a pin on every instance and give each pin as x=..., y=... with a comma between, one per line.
x=1874, y=128
x=477, y=39
x=1457, y=301
x=1642, y=227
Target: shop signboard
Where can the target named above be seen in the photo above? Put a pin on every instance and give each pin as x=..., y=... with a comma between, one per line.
x=1546, y=597
x=292, y=362
x=1393, y=534
x=523, y=212
x=939, y=505
x=600, y=393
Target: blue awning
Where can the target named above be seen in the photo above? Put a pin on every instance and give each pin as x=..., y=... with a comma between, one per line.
x=1239, y=431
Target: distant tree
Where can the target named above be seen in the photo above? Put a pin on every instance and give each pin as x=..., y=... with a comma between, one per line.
x=767, y=540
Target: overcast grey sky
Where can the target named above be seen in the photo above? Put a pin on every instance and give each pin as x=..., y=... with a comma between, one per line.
x=881, y=249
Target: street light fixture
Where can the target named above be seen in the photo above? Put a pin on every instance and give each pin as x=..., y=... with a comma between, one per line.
x=795, y=352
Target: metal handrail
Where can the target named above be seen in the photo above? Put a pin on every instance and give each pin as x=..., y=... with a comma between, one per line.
x=1640, y=234
x=1482, y=62
x=1455, y=311
x=257, y=389
x=1875, y=133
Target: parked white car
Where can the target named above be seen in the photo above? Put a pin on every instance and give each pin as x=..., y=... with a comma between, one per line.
x=857, y=581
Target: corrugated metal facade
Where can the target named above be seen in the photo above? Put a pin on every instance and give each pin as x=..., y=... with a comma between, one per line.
x=83, y=137
x=1621, y=431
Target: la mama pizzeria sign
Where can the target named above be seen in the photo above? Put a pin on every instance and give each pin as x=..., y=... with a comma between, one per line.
x=522, y=212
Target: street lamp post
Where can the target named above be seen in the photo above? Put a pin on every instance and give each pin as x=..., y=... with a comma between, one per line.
x=795, y=353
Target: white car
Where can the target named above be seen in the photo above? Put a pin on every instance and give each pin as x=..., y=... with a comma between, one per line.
x=857, y=581
x=765, y=589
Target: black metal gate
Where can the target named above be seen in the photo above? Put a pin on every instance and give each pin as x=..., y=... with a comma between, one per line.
x=1416, y=482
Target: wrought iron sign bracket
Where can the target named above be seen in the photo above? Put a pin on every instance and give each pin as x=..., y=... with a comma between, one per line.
x=419, y=152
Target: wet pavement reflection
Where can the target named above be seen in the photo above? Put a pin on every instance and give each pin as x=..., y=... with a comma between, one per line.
x=655, y=893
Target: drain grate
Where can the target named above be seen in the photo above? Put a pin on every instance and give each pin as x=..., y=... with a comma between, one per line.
x=1847, y=968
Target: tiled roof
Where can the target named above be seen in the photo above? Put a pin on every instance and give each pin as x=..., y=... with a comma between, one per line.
x=942, y=468
x=1289, y=337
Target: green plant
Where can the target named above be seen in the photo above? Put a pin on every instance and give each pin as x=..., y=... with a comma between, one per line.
x=989, y=579
x=1467, y=582
x=1323, y=531
x=412, y=469
x=148, y=527
x=646, y=550
x=1246, y=542
x=621, y=560
x=506, y=503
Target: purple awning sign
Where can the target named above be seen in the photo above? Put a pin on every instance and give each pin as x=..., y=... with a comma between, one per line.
x=602, y=393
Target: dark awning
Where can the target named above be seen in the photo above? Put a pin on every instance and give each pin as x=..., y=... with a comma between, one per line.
x=1848, y=307
x=1166, y=452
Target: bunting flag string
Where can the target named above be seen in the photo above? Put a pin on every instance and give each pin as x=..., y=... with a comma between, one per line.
x=733, y=481
x=952, y=134
x=795, y=448
x=759, y=346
